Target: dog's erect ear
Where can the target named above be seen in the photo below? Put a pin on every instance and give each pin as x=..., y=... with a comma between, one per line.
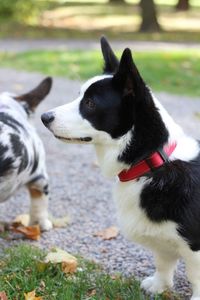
x=35, y=96
x=128, y=78
x=111, y=61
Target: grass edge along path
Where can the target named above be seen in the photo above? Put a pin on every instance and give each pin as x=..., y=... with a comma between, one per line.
x=22, y=271
x=177, y=72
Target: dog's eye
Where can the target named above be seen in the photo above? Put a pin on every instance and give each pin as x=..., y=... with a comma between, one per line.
x=90, y=104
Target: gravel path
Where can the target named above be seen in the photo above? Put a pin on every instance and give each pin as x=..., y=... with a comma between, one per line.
x=20, y=45
x=79, y=190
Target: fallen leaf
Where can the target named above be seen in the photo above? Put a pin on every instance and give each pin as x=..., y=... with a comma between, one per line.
x=18, y=87
x=91, y=293
x=104, y=250
x=169, y=295
x=22, y=219
x=3, y=296
x=2, y=227
x=60, y=222
x=114, y=277
x=30, y=232
x=197, y=115
x=31, y=296
x=41, y=266
x=69, y=267
x=108, y=233
x=68, y=262
x=42, y=285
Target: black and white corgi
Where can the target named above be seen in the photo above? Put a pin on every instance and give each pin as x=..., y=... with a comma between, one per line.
x=158, y=166
x=22, y=156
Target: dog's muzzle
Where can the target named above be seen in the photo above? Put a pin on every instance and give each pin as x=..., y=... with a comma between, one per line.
x=47, y=118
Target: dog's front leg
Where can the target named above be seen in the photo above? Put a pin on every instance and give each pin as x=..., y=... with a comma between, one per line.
x=163, y=277
x=38, y=190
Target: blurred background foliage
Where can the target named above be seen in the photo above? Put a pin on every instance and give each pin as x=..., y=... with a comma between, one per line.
x=134, y=20
x=21, y=10
x=174, y=20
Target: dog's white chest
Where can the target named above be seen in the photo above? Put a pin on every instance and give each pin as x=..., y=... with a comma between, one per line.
x=134, y=223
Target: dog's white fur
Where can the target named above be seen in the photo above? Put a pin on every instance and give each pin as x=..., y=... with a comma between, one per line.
x=163, y=238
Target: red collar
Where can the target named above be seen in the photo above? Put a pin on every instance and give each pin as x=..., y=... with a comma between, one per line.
x=147, y=165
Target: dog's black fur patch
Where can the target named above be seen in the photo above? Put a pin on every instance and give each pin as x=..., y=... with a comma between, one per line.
x=35, y=161
x=109, y=112
x=123, y=102
x=173, y=194
x=19, y=150
x=6, y=162
x=9, y=121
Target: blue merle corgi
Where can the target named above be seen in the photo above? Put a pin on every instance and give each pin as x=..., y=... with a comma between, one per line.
x=22, y=156
x=157, y=165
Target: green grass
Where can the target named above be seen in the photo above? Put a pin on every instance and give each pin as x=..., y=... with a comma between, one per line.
x=20, y=272
x=174, y=72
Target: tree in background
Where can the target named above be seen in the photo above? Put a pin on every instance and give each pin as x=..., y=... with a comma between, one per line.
x=149, y=16
x=183, y=5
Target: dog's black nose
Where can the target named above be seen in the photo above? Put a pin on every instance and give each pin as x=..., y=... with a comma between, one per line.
x=47, y=118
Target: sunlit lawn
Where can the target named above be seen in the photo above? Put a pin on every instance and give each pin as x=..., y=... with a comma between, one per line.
x=174, y=72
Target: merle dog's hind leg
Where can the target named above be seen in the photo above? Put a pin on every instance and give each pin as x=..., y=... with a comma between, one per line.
x=38, y=189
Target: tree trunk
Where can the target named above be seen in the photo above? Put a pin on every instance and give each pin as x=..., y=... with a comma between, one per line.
x=117, y=1
x=149, y=16
x=183, y=5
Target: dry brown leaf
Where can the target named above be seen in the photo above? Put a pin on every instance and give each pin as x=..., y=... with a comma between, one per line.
x=69, y=267
x=108, y=233
x=18, y=87
x=23, y=219
x=91, y=293
x=42, y=284
x=3, y=296
x=60, y=222
x=30, y=232
x=31, y=296
x=69, y=262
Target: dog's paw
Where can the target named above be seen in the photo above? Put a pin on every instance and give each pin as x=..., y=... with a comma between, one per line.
x=45, y=225
x=153, y=285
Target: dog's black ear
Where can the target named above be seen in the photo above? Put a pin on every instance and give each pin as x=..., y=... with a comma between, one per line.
x=35, y=96
x=128, y=78
x=111, y=62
